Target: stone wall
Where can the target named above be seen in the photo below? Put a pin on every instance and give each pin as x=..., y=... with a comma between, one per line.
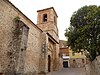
x=77, y=62
x=21, y=43
x=7, y=28
x=93, y=68
x=31, y=56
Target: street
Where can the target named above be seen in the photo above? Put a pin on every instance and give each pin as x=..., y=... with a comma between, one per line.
x=69, y=71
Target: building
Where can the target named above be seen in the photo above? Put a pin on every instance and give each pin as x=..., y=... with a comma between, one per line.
x=71, y=58
x=26, y=48
x=47, y=22
x=64, y=52
x=77, y=59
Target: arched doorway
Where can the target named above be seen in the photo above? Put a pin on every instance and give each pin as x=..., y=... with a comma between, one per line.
x=49, y=63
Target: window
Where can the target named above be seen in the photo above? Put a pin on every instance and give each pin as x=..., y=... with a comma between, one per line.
x=74, y=61
x=44, y=17
x=73, y=53
x=82, y=53
x=54, y=19
x=82, y=60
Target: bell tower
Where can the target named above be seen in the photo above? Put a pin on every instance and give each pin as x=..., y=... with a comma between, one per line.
x=47, y=21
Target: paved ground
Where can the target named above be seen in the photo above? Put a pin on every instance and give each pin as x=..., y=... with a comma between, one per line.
x=69, y=71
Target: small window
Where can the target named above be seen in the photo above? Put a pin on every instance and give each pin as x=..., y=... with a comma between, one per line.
x=82, y=53
x=54, y=19
x=74, y=60
x=73, y=53
x=44, y=17
x=82, y=60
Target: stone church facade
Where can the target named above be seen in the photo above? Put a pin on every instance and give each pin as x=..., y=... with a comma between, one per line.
x=26, y=48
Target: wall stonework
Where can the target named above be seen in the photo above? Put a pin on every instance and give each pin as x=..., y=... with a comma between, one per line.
x=6, y=32
x=17, y=49
x=52, y=40
x=51, y=25
x=7, y=26
x=23, y=45
x=93, y=68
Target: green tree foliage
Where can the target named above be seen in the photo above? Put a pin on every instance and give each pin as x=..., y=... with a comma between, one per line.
x=84, y=30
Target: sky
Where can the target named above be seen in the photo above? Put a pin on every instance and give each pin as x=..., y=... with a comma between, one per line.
x=63, y=8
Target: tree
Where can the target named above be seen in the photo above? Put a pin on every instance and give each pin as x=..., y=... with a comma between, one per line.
x=84, y=30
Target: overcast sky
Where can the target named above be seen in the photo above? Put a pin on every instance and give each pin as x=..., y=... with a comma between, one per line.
x=64, y=9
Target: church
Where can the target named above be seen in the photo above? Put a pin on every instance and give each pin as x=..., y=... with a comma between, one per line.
x=27, y=48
